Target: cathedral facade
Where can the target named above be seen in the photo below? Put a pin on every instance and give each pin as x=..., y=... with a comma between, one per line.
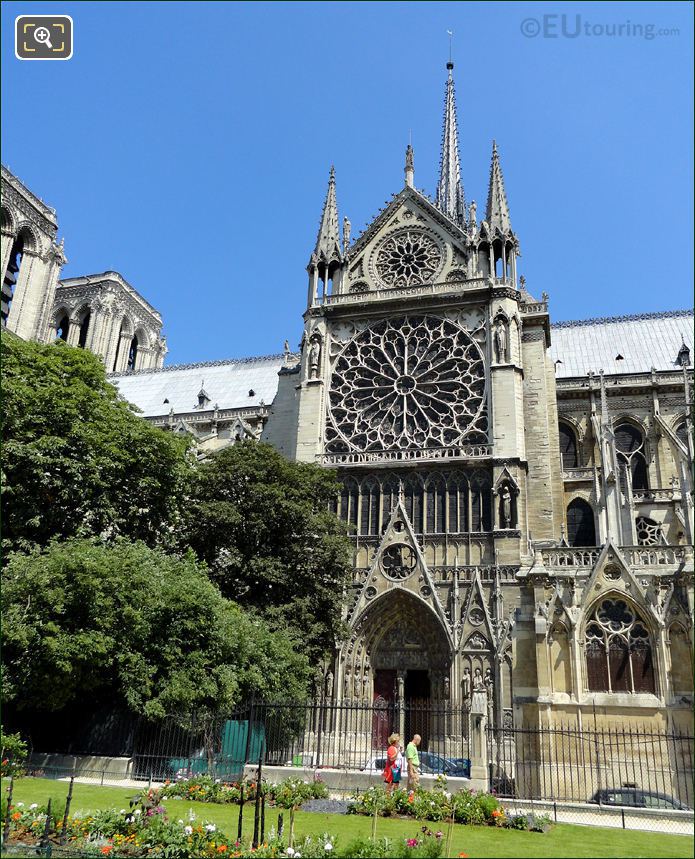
x=519, y=494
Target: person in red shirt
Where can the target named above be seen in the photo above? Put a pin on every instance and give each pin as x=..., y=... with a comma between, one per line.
x=392, y=771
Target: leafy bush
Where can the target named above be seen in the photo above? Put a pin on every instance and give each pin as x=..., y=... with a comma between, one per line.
x=12, y=754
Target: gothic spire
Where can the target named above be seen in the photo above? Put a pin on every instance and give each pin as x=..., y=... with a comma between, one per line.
x=450, y=197
x=328, y=239
x=497, y=214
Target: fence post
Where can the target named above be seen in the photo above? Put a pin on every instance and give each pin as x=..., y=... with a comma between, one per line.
x=319, y=733
x=67, y=810
x=622, y=816
x=257, y=807
x=45, y=845
x=281, y=822
x=241, y=811
x=247, y=750
x=6, y=827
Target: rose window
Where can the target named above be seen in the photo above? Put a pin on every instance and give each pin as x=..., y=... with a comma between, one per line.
x=398, y=561
x=409, y=258
x=410, y=382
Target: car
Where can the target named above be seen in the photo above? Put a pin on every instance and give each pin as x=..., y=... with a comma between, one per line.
x=430, y=764
x=634, y=797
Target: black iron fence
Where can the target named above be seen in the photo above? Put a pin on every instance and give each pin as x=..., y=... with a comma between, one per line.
x=562, y=764
x=613, y=767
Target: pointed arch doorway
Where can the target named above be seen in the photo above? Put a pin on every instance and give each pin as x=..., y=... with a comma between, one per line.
x=410, y=656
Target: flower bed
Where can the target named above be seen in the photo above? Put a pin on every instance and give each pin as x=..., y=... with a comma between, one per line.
x=465, y=806
x=207, y=789
x=147, y=832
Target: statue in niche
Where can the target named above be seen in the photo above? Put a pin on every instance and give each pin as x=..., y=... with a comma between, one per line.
x=365, y=682
x=314, y=356
x=500, y=341
x=329, y=684
x=489, y=687
x=506, y=508
x=466, y=684
x=346, y=683
x=347, y=229
x=400, y=687
x=357, y=682
x=479, y=699
x=446, y=689
x=473, y=215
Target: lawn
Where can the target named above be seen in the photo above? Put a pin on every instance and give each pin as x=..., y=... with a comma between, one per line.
x=563, y=840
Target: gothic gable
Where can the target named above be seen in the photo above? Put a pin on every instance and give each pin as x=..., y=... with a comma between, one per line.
x=411, y=243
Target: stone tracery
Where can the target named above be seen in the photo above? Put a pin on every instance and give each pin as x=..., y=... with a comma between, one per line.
x=408, y=258
x=407, y=382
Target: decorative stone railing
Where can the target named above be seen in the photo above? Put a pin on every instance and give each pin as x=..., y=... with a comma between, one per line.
x=654, y=556
x=404, y=292
x=578, y=473
x=388, y=457
x=667, y=494
x=570, y=557
x=636, y=556
x=535, y=307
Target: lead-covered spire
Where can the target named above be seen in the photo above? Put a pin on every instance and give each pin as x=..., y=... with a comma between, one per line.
x=328, y=239
x=450, y=198
x=497, y=214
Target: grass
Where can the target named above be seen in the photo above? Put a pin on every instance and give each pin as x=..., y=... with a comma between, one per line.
x=563, y=840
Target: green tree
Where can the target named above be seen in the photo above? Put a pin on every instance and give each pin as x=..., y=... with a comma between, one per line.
x=124, y=625
x=263, y=526
x=76, y=458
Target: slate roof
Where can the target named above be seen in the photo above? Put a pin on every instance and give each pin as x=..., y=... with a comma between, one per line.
x=227, y=383
x=646, y=340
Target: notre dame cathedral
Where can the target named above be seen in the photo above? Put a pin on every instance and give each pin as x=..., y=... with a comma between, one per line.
x=520, y=494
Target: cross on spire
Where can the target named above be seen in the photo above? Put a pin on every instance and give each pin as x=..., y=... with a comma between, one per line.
x=450, y=198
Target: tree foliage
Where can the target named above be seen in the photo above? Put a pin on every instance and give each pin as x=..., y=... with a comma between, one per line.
x=263, y=526
x=76, y=458
x=129, y=626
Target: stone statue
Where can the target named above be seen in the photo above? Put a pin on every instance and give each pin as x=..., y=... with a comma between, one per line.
x=347, y=229
x=400, y=683
x=365, y=682
x=329, y=684
x=314, y=356
x=500, y=342
x=479, y=699
x=489, y=685
x=506, y=508
x=473, y=216
x=357, y=683
x=466, y=684
x=346, y=683
x=446, y=688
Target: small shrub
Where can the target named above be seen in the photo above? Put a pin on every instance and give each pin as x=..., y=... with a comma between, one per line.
x=13, y=754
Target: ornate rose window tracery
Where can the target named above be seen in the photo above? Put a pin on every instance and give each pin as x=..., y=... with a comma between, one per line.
x=407, y=258
x=409, y=382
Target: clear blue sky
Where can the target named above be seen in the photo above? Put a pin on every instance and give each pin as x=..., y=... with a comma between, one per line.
x=187, y=145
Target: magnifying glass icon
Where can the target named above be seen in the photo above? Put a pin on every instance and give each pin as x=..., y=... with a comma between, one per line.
x=43, y=36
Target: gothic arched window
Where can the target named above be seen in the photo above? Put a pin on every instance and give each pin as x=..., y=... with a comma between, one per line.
x=435, y=497
x=84, y=328
x=629, y=442
x=568, y=446
x=458, y=504
x=369, y=517
x=132, y=354
x=63, y=326
x=11, y=276
x=618, y=649
x=649, y=532
x=581, y=529
x=412, y=489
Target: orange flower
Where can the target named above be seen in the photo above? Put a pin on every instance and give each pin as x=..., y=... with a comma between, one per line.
x=107, y=849
x=463, y=855
x=222, y=848
x=16, y=815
